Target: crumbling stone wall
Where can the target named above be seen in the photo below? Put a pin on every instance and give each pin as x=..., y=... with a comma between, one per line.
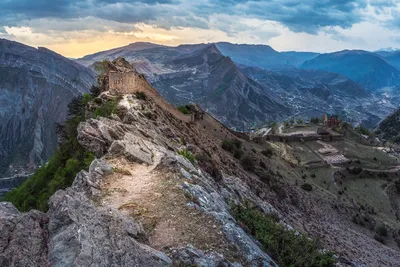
x=121, y=83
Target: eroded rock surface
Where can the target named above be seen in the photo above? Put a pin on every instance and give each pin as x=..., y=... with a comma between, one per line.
x=23, y=237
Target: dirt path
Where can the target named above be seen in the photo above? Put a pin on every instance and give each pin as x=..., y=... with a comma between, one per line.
x=130, y=183
x=154, y=199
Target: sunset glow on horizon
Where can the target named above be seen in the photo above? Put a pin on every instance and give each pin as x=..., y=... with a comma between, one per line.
x=77, y=28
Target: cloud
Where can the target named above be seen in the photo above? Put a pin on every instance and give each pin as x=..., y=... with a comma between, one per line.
x=47, y=22
x=299, y=16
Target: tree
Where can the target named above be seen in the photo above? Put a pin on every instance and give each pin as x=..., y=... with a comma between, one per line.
x=314, y=120
x=299, y=121
x=291, y=121
x=95, y=90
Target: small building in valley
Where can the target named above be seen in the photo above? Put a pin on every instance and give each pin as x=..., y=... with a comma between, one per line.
x=331, y=120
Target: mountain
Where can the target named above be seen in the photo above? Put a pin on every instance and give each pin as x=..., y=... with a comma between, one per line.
x=115, y=53
x=385, y=52
x=368, y=69
x=201, y=74
x=313, y=93
x=195, y=73
x=173, y=189
x=300, y=57
x=36, y=86
x=389, y=128
x=394, y=59
x=262, y=56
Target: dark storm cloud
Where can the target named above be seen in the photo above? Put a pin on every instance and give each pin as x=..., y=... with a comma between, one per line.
x=298, y=15
x=306, y=15
x=151, y=2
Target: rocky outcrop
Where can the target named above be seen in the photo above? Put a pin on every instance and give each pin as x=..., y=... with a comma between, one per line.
x=83, y=235
x=116, y=138
x=36, y=86
x=74, y=232
x=23, y=237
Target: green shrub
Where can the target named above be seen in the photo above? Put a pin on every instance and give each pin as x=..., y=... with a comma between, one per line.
x=314, y=120
x=185, y=109
x=150, y=116
x=95, y=90
x=231, y=145
x=355, y=170
x=141, y=95
x=106, y=109
x=382, y=230
x=62, y=167
x=287, y=247
x=362, y=130
x=267, y=152
x=307, y=187
x=266, y=178
x=247, y=163
x=238, y=153
x=187, y=154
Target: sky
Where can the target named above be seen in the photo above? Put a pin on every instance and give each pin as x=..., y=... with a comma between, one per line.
x=76, y=28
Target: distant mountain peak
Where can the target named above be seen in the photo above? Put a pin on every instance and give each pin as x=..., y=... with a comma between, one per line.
x=366, y=68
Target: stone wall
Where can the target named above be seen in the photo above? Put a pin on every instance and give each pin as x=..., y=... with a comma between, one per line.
x=121, y=83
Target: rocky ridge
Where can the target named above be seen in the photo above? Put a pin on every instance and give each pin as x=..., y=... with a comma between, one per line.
x=83, y=226
x=144, y=204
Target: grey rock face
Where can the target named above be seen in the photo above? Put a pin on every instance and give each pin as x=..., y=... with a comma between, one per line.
x=105, y=135
x=211, y=202
x=190, y=256
x=36, y=86
x=89, y=182
x=23, y=237
x=83, y=235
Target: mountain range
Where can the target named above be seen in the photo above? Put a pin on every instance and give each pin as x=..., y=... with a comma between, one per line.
x=201, y=74
x=36, y=85
x=241, y=85
x=365, y=68
x=348, y=83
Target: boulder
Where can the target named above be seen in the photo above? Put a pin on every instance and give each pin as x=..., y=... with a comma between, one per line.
x=85, y=235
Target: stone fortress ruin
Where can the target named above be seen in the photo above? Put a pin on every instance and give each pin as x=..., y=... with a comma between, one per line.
x=124, y=79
